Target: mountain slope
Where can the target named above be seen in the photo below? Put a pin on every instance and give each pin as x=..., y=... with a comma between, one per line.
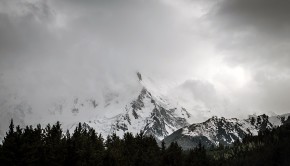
x=217, y=131
x=149, y=112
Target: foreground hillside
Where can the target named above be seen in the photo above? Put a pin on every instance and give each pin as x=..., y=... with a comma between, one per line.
x=49, y=146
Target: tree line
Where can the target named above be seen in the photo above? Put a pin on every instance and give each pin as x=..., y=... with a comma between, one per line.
x=49, y=146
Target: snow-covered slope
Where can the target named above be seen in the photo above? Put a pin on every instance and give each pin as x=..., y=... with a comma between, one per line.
x=225, y=131
x=149, y=112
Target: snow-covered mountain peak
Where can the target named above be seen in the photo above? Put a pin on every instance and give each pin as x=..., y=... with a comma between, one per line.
x=149, y=111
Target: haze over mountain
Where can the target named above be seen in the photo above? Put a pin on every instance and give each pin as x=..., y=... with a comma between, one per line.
x=67, y=59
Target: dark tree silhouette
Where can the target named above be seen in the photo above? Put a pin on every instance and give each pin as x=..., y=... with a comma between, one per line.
x=51, y=146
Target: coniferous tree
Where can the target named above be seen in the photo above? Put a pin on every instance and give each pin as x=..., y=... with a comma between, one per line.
x=173, y=155
x=49, y=146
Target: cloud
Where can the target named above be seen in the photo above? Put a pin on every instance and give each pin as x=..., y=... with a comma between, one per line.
x=253, y=32
x=55, y=50
x=228, y=56
x=201, y=90
x=254, y=35
x=68, y=46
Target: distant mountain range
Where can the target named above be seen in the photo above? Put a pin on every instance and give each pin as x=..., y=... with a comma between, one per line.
x=146, y=110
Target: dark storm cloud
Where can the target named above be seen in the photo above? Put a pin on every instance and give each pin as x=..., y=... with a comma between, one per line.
x=257, y=31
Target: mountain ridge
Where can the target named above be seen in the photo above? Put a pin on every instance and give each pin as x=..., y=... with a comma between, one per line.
x=150, y=113
x=215, y=131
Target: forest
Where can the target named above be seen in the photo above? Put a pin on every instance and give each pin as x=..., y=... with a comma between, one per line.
x=50, y=146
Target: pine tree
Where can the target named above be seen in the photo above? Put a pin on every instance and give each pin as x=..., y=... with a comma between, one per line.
x=173, y=155
x=10, y=150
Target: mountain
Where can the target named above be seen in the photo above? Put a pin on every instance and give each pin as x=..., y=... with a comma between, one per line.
x=149, y=112
x=141, y=106
x=224, y=131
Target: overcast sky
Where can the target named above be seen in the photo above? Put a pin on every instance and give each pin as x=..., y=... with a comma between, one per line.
x=229, y=56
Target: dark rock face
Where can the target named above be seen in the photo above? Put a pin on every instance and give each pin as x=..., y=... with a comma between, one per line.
x=139, y=76
x=163, y=118
x=138, y=104
x=75, y=110
x=217, y=131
